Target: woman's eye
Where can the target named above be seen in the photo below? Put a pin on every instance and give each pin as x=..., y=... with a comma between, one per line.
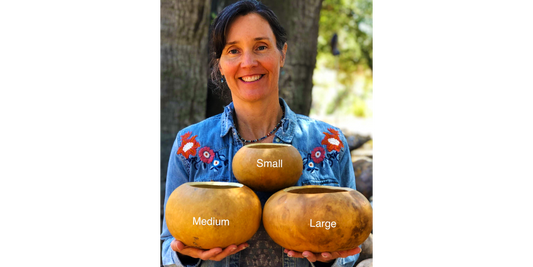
x=263, y=47
x=233, y=51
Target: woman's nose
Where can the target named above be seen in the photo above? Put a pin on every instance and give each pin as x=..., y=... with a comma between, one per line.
x=249, y=59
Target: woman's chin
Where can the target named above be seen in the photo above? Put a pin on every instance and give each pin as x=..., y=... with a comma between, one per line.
x=253, y=94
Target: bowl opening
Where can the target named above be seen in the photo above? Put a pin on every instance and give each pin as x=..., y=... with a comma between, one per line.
x=266, y=145
x=315, y=190
x=216, y=185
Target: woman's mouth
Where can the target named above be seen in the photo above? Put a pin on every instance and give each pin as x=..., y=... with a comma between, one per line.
x=251, y=78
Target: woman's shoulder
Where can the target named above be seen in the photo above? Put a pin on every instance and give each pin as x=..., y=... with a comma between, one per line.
x=205, y=131
x=314, y=135
x=206, y=125
x=302, y=125
x=307, y=125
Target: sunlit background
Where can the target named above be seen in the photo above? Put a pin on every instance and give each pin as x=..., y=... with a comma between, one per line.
x=342, y=91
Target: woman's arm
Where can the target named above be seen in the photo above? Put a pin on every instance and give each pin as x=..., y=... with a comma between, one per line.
x=174, y=252
x=176, y=176
x=347, y=175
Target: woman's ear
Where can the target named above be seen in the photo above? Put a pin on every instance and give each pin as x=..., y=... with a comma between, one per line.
x=283, y=54
x=219, y=68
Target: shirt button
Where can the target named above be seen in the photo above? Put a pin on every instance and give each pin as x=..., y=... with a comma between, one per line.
x=277, y=139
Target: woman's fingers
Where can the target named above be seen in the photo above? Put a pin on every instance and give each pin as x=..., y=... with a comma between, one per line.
x=215, y=254
x=310, y=256
x=226, y=252
x=178, y=246
x=324, y=256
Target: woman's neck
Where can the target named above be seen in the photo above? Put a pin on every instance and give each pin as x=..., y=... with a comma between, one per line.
x=255, y=120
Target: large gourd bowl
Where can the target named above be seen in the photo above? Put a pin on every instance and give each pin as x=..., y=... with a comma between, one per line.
x=318, y=218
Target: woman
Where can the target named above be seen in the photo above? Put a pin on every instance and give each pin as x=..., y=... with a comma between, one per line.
x=249, y=48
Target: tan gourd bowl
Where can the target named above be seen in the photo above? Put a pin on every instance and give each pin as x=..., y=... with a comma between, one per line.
x=212, y=214
x=318, y=218
x=267, y=167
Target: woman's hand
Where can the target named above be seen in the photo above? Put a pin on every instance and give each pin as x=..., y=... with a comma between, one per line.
x=324, y=256
x=214, y=254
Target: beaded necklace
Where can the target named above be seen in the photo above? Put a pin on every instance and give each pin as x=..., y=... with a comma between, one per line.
x=262, y=138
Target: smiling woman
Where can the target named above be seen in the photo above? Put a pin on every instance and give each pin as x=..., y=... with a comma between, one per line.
x=249, y=49
x=250, y=61
x=220, y=27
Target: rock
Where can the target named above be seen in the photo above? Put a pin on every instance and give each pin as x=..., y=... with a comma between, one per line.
x=365, y=263
x=367, y=249
x=356, y=141
x=373, y=204
x=363, y=176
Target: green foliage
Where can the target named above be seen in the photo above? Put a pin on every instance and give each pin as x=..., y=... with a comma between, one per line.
x=352, y=22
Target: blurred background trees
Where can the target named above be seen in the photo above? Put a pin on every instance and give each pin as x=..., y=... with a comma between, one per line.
x=343, y=82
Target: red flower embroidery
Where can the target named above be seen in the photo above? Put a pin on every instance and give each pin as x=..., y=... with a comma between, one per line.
x=332, y=141
x=318, y=154
x=206, y=154
x=188, y=145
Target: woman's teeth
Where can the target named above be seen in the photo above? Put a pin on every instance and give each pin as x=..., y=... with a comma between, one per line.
x=251, y=78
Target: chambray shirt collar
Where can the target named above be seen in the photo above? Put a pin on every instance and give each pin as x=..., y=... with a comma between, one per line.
x=226, y=120
x=284, y=133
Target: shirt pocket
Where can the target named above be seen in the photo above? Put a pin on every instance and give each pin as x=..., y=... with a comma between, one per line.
x=322, y=181
x=320, y=167
x=209, y=175
x=318, y=178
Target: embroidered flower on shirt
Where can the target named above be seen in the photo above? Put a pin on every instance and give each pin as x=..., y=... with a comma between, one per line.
x=188, y=145
x=206, y=154
x=318, y=154
x=308, y=164
x=332, y=141
x=218, y=162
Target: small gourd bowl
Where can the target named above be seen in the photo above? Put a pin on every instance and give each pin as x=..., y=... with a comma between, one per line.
x=267, y=167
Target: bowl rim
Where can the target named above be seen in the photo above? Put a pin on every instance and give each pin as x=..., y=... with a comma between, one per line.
x=336, y=188
x=258, y=145
x=231, y=184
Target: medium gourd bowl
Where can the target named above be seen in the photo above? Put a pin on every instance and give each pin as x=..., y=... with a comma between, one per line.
x=318, y=218
x=267, y=167
x=208, y=215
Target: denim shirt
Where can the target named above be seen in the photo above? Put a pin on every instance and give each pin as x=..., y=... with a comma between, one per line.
x=204, y=152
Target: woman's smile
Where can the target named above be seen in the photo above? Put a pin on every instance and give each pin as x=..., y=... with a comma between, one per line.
x=251, y=78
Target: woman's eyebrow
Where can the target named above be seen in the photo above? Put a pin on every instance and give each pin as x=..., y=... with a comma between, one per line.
x=255, y=39
x=261, y=38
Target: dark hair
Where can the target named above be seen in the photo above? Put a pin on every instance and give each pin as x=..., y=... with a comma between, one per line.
x=222, y=23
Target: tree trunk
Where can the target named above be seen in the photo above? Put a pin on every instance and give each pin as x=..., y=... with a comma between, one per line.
x=184, y=70
x=300, y=18
x=215, y=104
x=184, y=61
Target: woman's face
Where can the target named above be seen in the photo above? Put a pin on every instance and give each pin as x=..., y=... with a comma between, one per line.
x=250, y=61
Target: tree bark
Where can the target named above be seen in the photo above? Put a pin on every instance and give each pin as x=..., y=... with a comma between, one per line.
x=184, y=61
x=300, y=18
x=215, y=104
x=184, y=70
